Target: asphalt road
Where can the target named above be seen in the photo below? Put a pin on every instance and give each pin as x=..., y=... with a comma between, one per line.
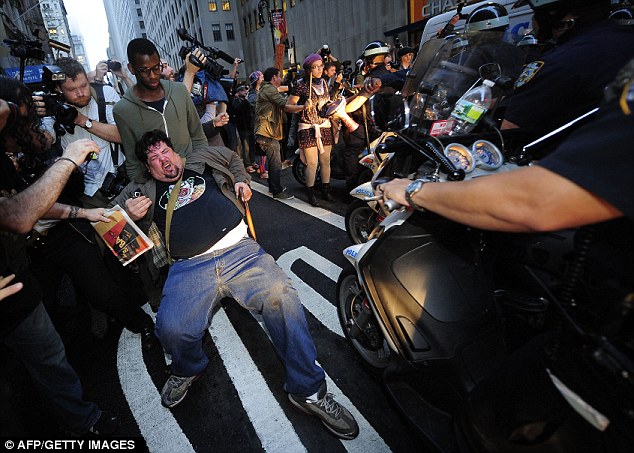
x=238, y=404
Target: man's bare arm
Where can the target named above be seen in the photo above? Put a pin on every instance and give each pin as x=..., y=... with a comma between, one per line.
x=525, y=200
x=20, y=212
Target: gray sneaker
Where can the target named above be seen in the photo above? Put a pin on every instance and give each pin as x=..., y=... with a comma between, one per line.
x=283, y=195
x=336, y=418
x=175, y=389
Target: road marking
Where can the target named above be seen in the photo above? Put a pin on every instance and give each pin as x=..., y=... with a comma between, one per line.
x=368, y=439
x=267, y=417
x=158, y=426
x=314, y=302
x=320, y=213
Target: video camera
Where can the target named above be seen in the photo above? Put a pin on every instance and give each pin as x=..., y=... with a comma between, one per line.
x=54, y=101
x=214, y=69
x=23, y=48
x=324, y=51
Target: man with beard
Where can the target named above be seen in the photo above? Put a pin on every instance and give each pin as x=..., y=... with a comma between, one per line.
x=76, y=91
x=153, y=103
x=196, y=206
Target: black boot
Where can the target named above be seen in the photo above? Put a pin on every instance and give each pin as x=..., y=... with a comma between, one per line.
x=325, y=192
x=312, y=199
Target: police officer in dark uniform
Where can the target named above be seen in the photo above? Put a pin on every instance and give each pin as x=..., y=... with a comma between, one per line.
x=374, y=64
x=568, y=80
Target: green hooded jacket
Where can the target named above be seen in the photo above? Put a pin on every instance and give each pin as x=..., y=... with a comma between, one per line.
x=179, y=120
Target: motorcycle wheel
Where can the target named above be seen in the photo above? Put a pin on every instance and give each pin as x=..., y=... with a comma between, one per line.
x=369, y=342
x=360, y=221
x=299, y=172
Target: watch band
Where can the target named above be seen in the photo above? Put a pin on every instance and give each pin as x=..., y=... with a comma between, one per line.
x=413, y=188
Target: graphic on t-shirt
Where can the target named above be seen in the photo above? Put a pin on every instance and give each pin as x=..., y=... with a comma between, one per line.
x=192, y=189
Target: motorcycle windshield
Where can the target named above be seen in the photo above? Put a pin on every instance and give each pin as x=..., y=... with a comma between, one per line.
x=447, y=68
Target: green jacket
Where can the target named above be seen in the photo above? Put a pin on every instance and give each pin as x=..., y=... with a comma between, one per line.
x=269, y=112
x=179, y=120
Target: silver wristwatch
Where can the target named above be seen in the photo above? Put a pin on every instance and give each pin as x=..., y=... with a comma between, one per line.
x=88, y=124
x=413, y=188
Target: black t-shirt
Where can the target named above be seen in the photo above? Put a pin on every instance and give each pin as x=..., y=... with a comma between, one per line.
x=202, y=215
x=14, y=260
x=157, y=105
x=600, y=158
x=569, y=80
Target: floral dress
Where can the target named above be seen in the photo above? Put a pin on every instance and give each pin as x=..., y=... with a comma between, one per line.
x=319, y=96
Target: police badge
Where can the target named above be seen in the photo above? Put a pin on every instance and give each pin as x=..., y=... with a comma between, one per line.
x=528, y=73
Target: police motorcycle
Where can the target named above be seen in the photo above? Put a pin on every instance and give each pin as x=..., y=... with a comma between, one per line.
x=364, y=212
x=484, y=341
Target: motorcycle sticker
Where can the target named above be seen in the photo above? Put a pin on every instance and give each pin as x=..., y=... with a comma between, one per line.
x=441, y=127
x=528, y=73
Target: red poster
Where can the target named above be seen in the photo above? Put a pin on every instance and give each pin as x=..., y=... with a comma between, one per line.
x=279, y=21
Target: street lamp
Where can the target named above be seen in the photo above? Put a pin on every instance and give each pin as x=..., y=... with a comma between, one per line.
x=264, y=4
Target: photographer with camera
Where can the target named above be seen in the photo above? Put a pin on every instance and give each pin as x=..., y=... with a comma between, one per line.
x=25, y=326
x=326, y=54
x=116, y=68
x=93, y=116
x=212, y=115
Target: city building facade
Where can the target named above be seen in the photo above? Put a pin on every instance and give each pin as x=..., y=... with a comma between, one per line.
x=80, y=51
x=56, y=23
x=125, y=22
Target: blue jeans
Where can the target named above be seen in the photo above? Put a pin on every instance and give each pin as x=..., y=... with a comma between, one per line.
x=246, y=273
x=39, y=346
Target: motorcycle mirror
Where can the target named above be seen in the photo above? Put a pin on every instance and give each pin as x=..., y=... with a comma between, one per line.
x=490, y=71
x=390, y=112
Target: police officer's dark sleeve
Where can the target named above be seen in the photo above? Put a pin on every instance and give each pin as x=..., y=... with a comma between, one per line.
x=600, y=156
x=394, y=80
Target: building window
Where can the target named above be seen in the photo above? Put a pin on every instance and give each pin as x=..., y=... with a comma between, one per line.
x=138, y=12
x=229, y=30
x=213, y=5
x=292, y=3
x=142, y=25
x=144, y=35
x=215, y=30
x=226, y=5
x=284, y=5
x=255, y=23
x=245, y=26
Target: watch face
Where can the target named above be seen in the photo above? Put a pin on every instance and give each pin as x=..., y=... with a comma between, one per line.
x=88, y=124
x=414, y=187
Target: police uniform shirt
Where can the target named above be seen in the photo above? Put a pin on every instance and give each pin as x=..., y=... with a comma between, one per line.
x=202, y=216
x=569, y=80
x=600, y=158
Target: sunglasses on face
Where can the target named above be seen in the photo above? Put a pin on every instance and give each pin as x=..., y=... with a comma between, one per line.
x=155, y=69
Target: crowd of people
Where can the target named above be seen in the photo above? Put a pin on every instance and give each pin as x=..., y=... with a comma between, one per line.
x=131, y=142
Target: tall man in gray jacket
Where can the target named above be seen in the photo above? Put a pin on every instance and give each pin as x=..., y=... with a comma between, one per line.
x=153, y=103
